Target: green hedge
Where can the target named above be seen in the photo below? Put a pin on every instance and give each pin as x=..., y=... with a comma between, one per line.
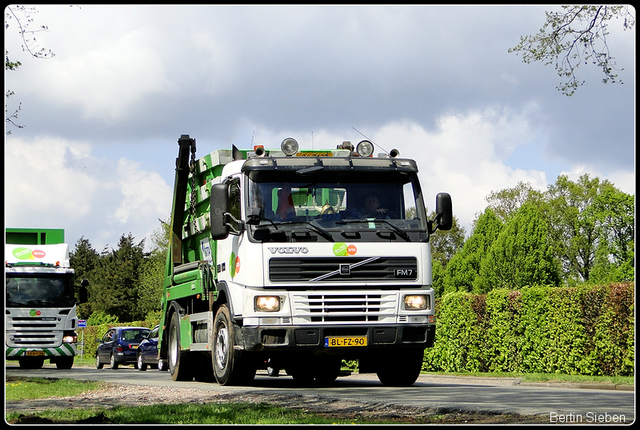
x=93, y=333
x=585, y=330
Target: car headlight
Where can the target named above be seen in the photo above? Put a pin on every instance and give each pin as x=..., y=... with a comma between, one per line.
x=417, y=302
x=267, y=303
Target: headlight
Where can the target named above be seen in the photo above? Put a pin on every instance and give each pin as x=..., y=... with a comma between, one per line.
x=69, y=337
x=267, y=303
x=417, y=302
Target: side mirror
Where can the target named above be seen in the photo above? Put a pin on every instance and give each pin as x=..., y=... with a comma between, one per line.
x=219, y=201
x=83, y=293
x=444, y=212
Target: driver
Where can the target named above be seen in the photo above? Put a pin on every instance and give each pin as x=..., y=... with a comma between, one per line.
x=372, y=208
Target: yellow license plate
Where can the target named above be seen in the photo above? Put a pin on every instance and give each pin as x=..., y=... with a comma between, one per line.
x=345, y=341
x=34, y=353
x=133, y=346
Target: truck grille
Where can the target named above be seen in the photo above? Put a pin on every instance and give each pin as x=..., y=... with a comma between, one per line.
x=343, y=269
x=344, y=308
x=33, y=332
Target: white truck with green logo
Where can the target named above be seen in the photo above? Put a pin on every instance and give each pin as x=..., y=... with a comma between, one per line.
x=297, y=260
x=40, y=312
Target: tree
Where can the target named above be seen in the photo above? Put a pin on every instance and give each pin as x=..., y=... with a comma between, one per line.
x=445, y=244
x=84, y=260
x=117, y=280
x=152, y=272
x=464, y=266
x=521, y=255
x=573, y=36
x=505, y=203
x=574, y=224
x=23, y=17
x=614, y=257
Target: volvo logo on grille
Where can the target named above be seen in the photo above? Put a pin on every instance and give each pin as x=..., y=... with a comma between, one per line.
x=289, y=250
x=345, y=269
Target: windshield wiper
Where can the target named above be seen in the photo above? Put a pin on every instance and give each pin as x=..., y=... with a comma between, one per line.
x=322, y=232
x=396, y=230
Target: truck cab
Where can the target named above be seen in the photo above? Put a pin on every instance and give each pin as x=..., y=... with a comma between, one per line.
x=314, y=257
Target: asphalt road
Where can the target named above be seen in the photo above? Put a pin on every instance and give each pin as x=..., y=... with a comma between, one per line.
x=560, y=402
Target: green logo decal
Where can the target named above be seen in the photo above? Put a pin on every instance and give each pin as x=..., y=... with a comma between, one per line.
x=22, y=253
x=342, y=249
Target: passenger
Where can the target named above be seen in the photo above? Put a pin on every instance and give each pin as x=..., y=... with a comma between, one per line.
x=285, y=210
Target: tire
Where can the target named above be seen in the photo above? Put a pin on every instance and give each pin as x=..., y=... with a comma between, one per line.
x=113, y=364
x=178, y=361
x=141, y=366
x=162, y=365
x=327, y=370
x=98, y=364
x=230, y=366
x=31, y=363
x=64, y=363
x=401, y=372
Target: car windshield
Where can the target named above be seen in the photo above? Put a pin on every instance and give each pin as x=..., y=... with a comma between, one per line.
x=345, y=202
x=134, y=335
x=40, y=290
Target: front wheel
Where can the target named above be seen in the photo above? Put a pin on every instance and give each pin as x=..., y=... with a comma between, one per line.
x=141, y=365
x=403, y=369
x=230, y=366
x=64, y=363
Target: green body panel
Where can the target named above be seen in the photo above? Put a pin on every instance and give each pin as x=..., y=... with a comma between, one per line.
x=185, y=332
x=35, y=236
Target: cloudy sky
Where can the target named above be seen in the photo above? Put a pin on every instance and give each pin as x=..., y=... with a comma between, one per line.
x=102, y=118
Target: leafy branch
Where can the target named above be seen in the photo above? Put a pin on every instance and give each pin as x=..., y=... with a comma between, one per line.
x=576, y=35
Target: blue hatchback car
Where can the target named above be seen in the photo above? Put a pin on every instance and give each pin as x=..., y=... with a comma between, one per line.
x=148, y=352
x=119, y=346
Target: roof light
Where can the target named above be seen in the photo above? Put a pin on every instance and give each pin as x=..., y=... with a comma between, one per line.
x=365, y=148
x=289, y=146
x=394, y=153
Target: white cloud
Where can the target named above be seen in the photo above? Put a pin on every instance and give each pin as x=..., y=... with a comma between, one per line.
x=44, y=178
x=465, y=157
x=145, y=194
x=108, y=80
x=52, y=183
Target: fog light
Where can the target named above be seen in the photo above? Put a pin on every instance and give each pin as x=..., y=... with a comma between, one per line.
x=417, y=302
x=267, y=303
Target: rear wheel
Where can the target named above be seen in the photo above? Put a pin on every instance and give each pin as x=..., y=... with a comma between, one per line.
x=112, y=362
x=230, y=366
x=178, y=362
x=98, y=364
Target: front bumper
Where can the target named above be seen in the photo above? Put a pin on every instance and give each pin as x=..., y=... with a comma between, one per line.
x=312, y=338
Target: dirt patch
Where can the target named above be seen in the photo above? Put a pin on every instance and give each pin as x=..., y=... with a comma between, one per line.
x=113, y=395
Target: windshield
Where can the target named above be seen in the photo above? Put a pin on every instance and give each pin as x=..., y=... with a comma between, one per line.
x=331, y=203
x=134, y=335
x=39, y=290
